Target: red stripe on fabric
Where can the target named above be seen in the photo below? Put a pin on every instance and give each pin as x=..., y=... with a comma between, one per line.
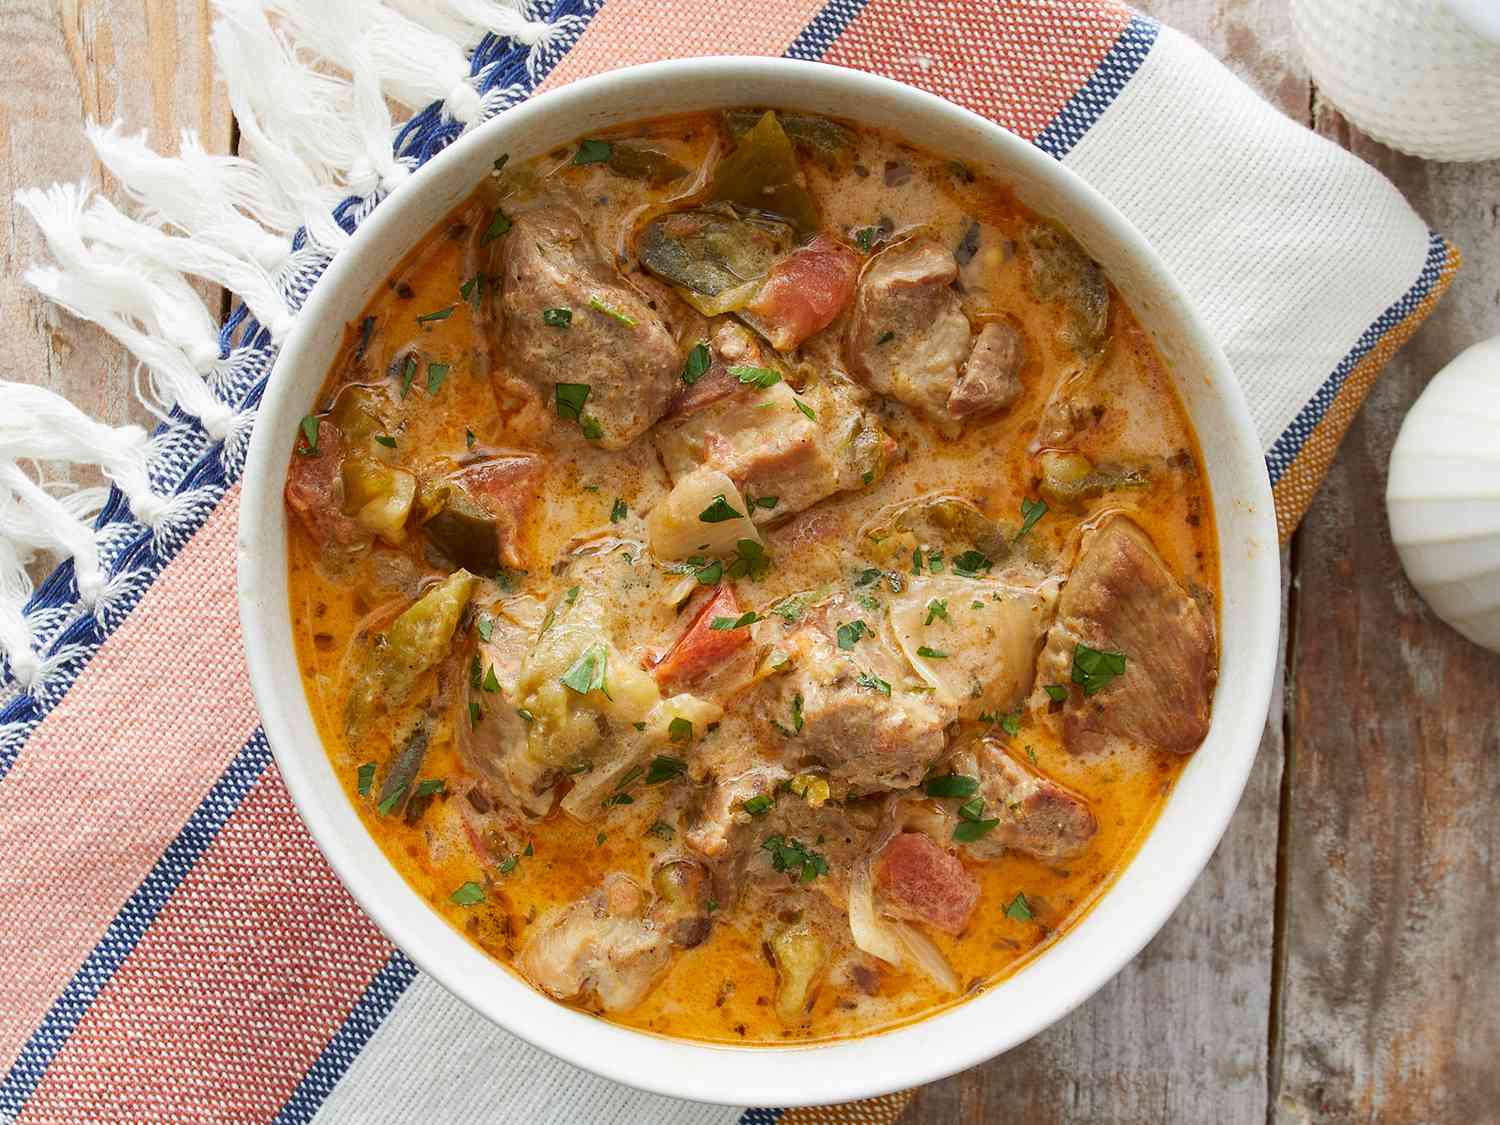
x=233, y=991
x=108, y=779
x=1015, y=63
x=626, y=32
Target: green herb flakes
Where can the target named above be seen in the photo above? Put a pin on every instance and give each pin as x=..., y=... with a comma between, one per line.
x=491, y=682
x=972, y=563
x=967, y=831
x=719, y=511
x=931, y=653
x=680, y=730
x=1056, y=692
x=1031, y=511
x=469, y=894
x=436, y=314
x=508, y=864
x=570, y=398
x=762, y=377
x=665, y=768
x=610, y=311
x=696, y=365
x=750, y=560
x=557, y=318
x=619, y=511
x=885, y=337
x=385, y=440
x=1019, y=909
x=723, y=624
x=758, y=806
x=469, y=438
x=661, y=830
x=950, y=785
x=366, y=776
x=499, y=224
x=587, y=672
x=392, y=801
x=849, y=634
x=309, y=428
x=874, y=683
x=436, y=373
x=807, y=410
x=408, y=372
x=1011, y=724
x=788, y=855
x=1093, y=670
x=937, y=609
x=484, y=625
x=430, y=785
x=865, y=237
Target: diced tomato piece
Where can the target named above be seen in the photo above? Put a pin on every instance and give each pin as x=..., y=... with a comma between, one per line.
x=805, y=291
x=702, y=648
x=921, y=881
x=507, y=487
x=312, y=490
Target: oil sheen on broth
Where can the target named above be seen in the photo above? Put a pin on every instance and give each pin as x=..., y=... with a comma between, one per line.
x=753, y=576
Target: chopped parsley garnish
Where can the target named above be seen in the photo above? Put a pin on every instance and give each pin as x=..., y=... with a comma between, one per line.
x=664, y=768
x=385, y=440
x=707, y=573
x=916, y=560
x=366, y=775
x=931, y=653
x=436, y=373
x=750, y=560
x=619, y=511
x=430, y=785
x=619, y=799
x=788, y=855
x=850, y=633
x=587, y=672
x=392, y=801
x=591, y=427
x=610, y=311
x=680, y=730
x=508, y=864
x=865, y=237
x=1093, y=669
x=468, y=895
x=1031, y=511
x=529, y=850
x=571, y=594
x=1056, y=692
x=724, y=624
x=436, y=314
x=1019, y=908
x=972, y=809
x=696, y=365
x=570, y=399
x=491, y=682
x=967, y=831
x=630, y=775
x=761, y=377
x=592, y=152
x=719, y=511
x=599, y=840
x=759, y=806
x=711, y=905
x=874, y=683
x=557, y=318
x=1011, y=724
x=499, y=224
x=661, y=830
x=475, y=285
x=408, y=372
x=950, y=785
x=475, y=714
x=867, y=576
x=766, y=502
x=972, y=563
x=484, y=624
x=797, y=719
x=309, y=435
x=525, y=714
x=937, y=608
x=807, y=410
x=885, y=337
x=469, y=438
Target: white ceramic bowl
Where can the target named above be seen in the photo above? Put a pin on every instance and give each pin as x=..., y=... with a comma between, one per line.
x=1148, y=890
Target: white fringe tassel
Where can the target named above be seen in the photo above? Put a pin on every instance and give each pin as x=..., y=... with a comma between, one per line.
x=311, y=85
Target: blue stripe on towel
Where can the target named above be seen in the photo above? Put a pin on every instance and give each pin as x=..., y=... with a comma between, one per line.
x=133, y=920
x=1095, y=96
x=815, y=39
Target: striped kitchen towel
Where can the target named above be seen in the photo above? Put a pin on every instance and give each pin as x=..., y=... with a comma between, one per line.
x=173, y=947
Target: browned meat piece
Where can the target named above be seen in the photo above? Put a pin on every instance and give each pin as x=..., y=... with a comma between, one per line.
x=314, y=491
x=859, y=710
x=908, y=334
x=613, y=341
x=603, y=945
x=1121, y=599
x=491, y=734
x=919, y=881
x=992, y=376
x=723, y=807
x=790, y=450
x=1037, y=815
x=506, y=486
x=478, y=511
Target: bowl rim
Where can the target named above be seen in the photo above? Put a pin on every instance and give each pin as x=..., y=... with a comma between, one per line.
x=914, y=1053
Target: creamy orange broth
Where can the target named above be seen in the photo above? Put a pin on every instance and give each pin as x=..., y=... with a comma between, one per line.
x=722, y=990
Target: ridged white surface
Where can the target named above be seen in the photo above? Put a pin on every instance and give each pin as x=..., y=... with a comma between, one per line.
x=1443, y=494
x=1423, y=76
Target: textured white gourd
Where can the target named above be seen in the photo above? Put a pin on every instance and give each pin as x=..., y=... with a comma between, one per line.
x=1443, y=494
x=1423, y=76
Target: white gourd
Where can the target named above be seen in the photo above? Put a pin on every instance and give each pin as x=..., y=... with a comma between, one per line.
x=1443, y=494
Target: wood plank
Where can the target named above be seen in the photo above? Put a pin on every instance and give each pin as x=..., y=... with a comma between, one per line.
x=1181, y=1033
x=68, y=62
x=1390, y=993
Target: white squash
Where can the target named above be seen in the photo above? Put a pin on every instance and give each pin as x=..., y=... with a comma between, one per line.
x=1443, y=494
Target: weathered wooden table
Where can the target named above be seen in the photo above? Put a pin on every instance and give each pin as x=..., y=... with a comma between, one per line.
x=1340, y=958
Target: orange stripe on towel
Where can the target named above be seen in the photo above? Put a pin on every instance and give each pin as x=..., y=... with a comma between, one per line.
x=626, y=32
x=231, y=994
x=1297, y=486
x=110, y=776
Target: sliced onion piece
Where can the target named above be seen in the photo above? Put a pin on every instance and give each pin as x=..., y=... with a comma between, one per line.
x=871, y=933
x=926, y=956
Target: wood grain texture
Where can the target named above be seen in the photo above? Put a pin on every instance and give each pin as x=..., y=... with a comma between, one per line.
x=1390, y=989
x=146, y=62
